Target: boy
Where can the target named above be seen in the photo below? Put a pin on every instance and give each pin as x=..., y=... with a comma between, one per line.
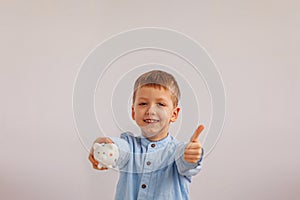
x=155, y=165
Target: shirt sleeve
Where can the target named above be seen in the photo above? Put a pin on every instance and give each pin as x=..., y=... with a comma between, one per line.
x=124, y=150
x=186, y=168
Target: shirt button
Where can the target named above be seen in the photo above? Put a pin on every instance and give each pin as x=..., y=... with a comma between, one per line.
x=148, y=163
x=152, y=145
x=144, y=186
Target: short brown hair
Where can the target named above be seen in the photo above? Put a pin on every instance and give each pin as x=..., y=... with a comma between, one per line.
x=158, y=79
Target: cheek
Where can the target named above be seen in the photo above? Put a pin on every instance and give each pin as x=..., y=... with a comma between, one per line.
x=138, y=115
x=138, y=112
x=163, y=114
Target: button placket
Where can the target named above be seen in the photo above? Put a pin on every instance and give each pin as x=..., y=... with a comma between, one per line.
x=150, y=156
x=148, y=160
x=146, y=176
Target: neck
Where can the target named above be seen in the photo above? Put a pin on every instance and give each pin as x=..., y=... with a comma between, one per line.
x=157, y=138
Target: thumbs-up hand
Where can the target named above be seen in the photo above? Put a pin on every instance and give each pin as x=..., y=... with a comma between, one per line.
x=193, y=150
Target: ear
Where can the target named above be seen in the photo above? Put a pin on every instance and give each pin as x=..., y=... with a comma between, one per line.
x=132, y=112
x=96, y=145
x=109, y=146
x=175, y=114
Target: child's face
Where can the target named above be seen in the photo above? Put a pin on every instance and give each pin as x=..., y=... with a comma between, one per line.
x=153, y=111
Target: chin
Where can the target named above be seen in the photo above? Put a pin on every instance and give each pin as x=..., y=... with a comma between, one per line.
x=149, y=133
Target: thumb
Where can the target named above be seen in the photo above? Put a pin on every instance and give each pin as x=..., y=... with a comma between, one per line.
x=196, y=135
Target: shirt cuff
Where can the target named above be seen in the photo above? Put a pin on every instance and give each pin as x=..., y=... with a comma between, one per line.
x=124, y=151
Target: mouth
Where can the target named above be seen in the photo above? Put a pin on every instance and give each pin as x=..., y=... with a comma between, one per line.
x=150, y=121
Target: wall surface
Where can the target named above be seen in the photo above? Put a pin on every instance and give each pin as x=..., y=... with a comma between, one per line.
x=255, y=45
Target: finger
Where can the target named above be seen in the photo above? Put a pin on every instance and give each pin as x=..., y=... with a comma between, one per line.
x=192, y=157
x=95, y=166
x=108, y=141
x=196, y=135
x=94, y=163
x=192, y=152
x=91, y=158
x=193, y=145
x=104, y=140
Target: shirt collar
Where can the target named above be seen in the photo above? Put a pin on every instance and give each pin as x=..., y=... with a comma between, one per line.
x=158, y=144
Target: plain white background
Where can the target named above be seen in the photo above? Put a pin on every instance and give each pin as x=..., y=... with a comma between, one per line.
x=255, y=45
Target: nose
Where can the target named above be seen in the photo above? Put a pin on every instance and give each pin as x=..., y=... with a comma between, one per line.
x=151, y=110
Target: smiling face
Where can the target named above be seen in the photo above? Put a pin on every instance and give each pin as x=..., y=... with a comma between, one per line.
x=153, y=110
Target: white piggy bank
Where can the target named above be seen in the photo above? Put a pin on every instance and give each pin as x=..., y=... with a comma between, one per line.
x=106, y=154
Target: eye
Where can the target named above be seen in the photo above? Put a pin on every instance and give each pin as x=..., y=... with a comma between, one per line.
x=142, y=104
x=161, y=104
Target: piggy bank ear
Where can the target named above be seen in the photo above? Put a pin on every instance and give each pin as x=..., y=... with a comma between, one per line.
x=96, y=146
x=110, y=146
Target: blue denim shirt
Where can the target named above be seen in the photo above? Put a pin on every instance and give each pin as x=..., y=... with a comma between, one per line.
x=153, y=170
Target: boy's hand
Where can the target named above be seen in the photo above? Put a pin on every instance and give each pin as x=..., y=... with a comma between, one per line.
x=193, y=150
x=91, y=155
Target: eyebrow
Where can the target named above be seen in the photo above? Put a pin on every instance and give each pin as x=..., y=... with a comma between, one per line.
x=145, y=98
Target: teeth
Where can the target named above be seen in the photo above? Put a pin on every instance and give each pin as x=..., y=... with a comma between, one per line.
x=150, y=120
